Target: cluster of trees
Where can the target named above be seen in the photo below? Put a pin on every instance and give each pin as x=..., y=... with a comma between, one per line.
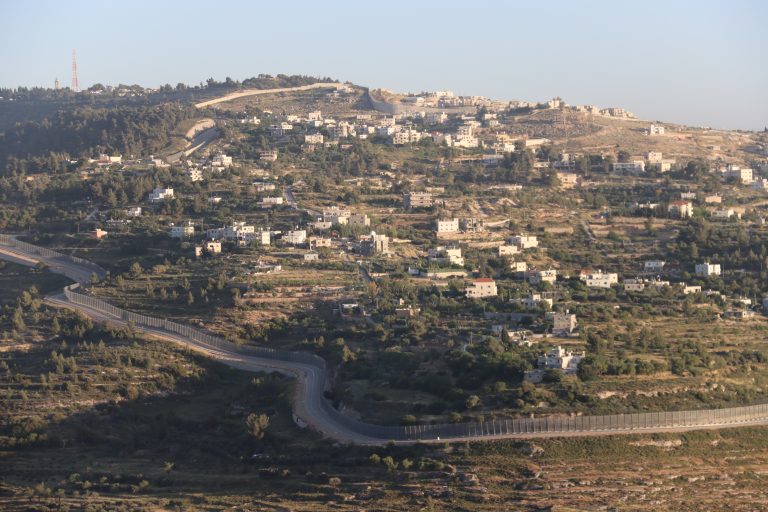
x=90, y=131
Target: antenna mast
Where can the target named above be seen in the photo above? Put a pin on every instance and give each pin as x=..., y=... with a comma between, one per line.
x=75, y=84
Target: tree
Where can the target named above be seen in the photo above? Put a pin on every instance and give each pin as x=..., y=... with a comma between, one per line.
x=472, y=401
x=136, y=269
x=17, y=321
x=390, y=463
x=168, y=467
x=257, y=424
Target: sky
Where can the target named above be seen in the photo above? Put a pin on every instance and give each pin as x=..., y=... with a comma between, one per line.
x=702, y=63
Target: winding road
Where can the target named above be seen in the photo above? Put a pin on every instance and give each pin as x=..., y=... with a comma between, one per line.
x=312, y=408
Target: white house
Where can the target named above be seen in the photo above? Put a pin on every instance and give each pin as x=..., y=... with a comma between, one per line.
x=708, y=269
x=559, y=358
x=654, y=265
x=508, y=250
x=451, y=255
x=222, y=160
x=313, y=138
x=268, y=202
x=600, y=279
x=159, y=195
x=183, y=231
x=448, y=225
x=482, y=287
x=524, y=241
x=682, y=209
x=295, y=237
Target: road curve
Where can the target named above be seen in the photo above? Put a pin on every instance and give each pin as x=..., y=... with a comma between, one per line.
x=309, y=403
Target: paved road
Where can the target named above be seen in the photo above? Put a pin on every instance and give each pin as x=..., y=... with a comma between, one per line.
x=256, y=92
x=308, y=397
x=199, y=141
x=308, y=393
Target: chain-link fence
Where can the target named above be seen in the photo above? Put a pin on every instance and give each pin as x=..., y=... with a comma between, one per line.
x=498, y=427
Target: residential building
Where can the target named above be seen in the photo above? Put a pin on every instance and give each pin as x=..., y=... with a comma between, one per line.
x=406, y=136
x=760, y=184
x=725, y=214
x=713, y=199
x=434, y=118
x=633, y=167
x=567, y=180
x=417, y=200
x=542, y=276
x=524, y=241
x=519, y=267
x=134, y=211
x=600, y=279
x=268, y=156
x=535, y=300
x=235, y=231
x=688, y=290
x=159, y=195
x=634, y=285
x=313, y=138
x=656, y=129
x=185, y=230
x=560, y=359
x=268, y=202
x=212, y=247
x=508, y=250
x=98, y=234
x=564, y=323
x=295, y=237
x=654, y=265
x=316, y=242
x=336, y=215
x=708, y=269
x=450, y=255
x=264, y=237
x=263, y=186
x=472, y=225
x=359, y=219
x=375, y=244
x=195, y=175
x=683, y=209
x=734, y=171
x=405, y=313
x=222, y=160
x=447, y=226
x=655, y=157
x=482, y=287
x=311, y=256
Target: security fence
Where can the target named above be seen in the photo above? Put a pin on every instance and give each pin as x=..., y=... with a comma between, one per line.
x=47, y=253
x=563, y=424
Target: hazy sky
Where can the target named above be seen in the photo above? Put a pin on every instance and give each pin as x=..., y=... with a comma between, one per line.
x=697, y=62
